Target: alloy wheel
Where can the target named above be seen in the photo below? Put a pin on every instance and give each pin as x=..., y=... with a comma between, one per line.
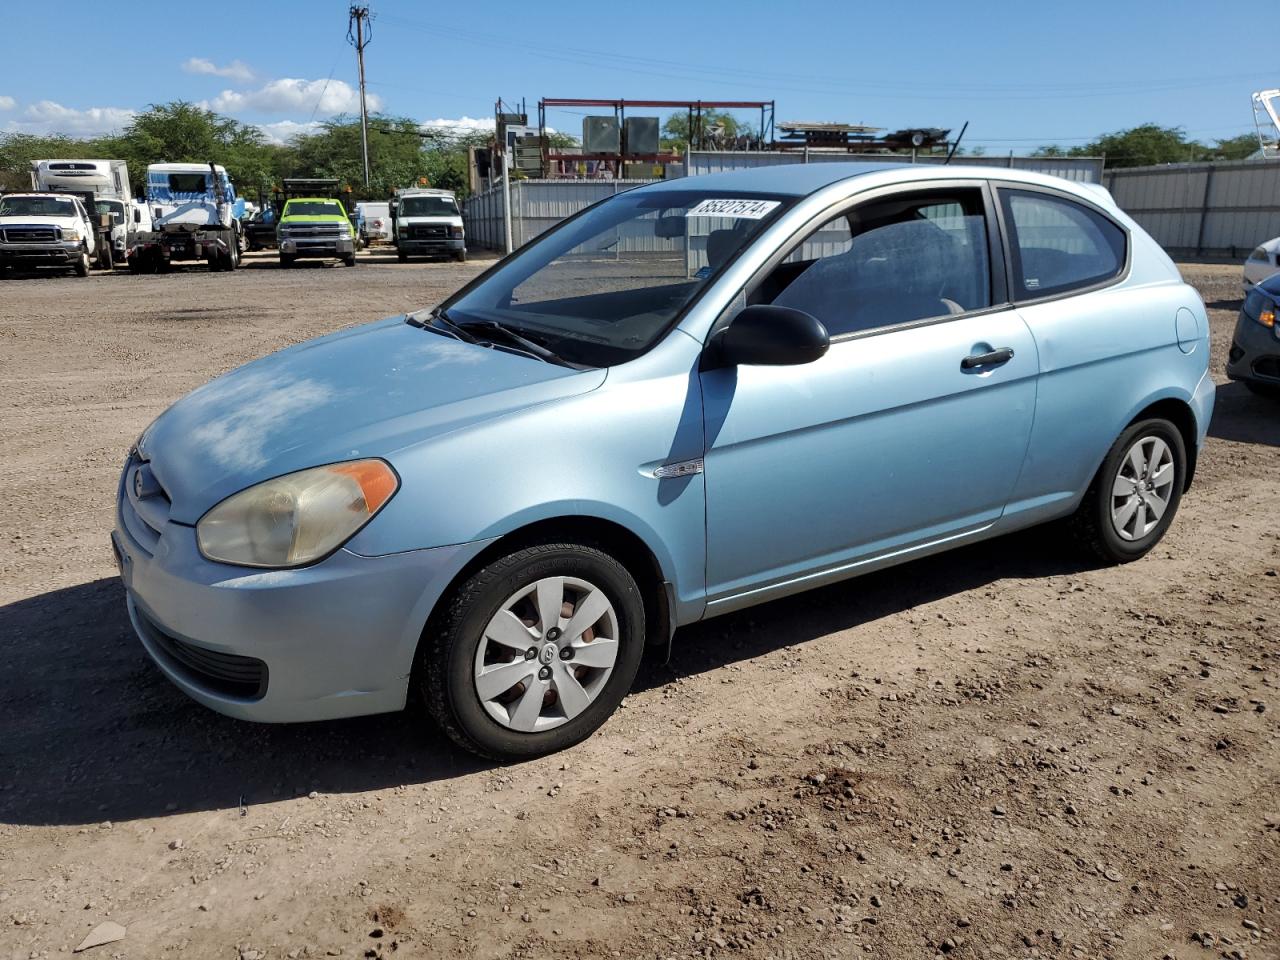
x=1142, y=488
x=547, y=653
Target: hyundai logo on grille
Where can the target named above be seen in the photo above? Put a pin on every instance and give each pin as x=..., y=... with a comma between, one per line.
x=144, y=482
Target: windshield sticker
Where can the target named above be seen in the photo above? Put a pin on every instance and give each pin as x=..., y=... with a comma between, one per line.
x=736, y=209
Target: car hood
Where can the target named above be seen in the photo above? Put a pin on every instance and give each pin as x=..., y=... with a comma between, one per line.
x=38, y=221
x=365, y=392
x=1270, y=285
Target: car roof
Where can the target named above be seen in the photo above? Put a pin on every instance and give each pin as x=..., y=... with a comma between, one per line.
x=184, y=167
x=802, y=179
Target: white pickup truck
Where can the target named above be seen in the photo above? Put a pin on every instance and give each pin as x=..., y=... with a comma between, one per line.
x=46, y=230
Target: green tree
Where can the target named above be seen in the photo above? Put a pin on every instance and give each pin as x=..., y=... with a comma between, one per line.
x=1143, y=146
x=397, y=157
x=717, y=127
x=1236, y=148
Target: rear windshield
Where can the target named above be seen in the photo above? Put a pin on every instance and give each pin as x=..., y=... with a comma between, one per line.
x=428, y=207
x=36, y=207
x=313, y=208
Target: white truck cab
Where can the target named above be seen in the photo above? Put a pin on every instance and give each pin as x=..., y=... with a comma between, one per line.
x=46, y=230
x=428, y=222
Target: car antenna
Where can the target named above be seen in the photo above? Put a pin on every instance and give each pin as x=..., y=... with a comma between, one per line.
x=956, y=144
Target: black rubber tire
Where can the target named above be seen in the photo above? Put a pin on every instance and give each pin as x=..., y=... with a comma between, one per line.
x=448, y=648
x=286, y=260
x=1266, y=390
x=461, y=256
x=402, y=257
x=81, y=266
x=350, y=261
x=1091, y=522
x=232, y=259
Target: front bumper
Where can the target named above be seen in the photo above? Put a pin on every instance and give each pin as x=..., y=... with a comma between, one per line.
x=1255, y=353
x=336, y=639
x=39, y=254
x=448, y=245
x=318, y=246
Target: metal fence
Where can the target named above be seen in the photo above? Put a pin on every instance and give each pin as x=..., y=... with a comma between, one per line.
x=538, y=205
x=1085, y=169
x=1220, y=209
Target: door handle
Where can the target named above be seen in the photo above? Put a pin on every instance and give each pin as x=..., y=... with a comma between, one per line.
x=992, y=359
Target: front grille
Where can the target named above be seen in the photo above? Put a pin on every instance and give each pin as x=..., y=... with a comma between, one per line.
x=429, y=232
x=30, y=234
x=225, y=673
x=314, y=231
x=1268, y=367
x=143, y=516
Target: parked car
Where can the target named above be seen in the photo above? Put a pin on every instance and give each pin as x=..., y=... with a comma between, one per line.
x=374, y=220
x=316, y=227
x=692, y=397
x=1254, y=358
x=46, y=230
x=1264, y=262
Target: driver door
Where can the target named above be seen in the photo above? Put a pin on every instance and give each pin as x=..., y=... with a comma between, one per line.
x=909, y=432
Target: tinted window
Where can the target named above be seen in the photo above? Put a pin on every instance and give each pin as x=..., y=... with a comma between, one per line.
x=891, y=261
x=1059, y=245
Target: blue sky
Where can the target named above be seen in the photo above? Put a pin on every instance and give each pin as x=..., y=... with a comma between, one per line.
x=1022, y=73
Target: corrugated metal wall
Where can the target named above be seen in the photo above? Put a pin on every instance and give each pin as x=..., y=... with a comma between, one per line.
x=1086, y=169
x=536, y=205
x=1205, y=209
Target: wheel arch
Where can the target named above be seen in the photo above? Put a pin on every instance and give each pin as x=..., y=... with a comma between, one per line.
x=610, y=536
x=1178, y=412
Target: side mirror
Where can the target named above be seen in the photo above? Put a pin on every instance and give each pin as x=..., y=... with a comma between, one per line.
x=669, y=228
x=764, y=335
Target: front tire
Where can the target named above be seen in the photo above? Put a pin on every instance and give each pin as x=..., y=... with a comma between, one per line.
x=81, y=266
x=350, y=261
x=533, y=652
x=1135, y=493
x=286, y=260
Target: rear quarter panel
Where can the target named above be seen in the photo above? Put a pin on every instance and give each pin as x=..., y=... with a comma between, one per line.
x=1105, y=355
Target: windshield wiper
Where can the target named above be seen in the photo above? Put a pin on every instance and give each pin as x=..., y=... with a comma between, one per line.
x=439, y=320
x=541, y=351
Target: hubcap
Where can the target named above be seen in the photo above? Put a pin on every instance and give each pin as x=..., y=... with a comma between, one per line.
x=1142, y=488
x=546, y=654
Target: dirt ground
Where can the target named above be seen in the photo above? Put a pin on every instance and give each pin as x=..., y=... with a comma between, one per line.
x=1000, y=752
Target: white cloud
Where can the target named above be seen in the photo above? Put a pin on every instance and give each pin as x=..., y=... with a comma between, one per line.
x=461, y=125
x=46, y=117
x=289, y=95
x=235, y=70
x=282, y=130
x=7, y=103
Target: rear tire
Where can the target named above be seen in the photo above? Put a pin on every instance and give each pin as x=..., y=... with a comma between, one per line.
x=1132, y=499
x=459, y=644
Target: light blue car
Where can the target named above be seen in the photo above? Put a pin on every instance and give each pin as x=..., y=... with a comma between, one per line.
x=690, y=398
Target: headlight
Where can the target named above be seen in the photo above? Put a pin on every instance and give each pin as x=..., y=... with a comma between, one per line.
x=403, y=230
x=455, y=231
x=298, y=518
x=71, y=234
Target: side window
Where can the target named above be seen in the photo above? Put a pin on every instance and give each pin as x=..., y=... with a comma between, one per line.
x=911, y=256
x=1059, y=245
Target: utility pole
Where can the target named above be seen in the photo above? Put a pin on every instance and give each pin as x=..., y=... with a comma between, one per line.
x=359, y=21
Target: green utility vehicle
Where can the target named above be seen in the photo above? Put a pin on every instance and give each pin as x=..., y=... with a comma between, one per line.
x=314, y=225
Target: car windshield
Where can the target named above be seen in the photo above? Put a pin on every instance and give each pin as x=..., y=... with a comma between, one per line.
x=428, y=207
x=312, y=208
x=603, y=287
x=36, y=207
